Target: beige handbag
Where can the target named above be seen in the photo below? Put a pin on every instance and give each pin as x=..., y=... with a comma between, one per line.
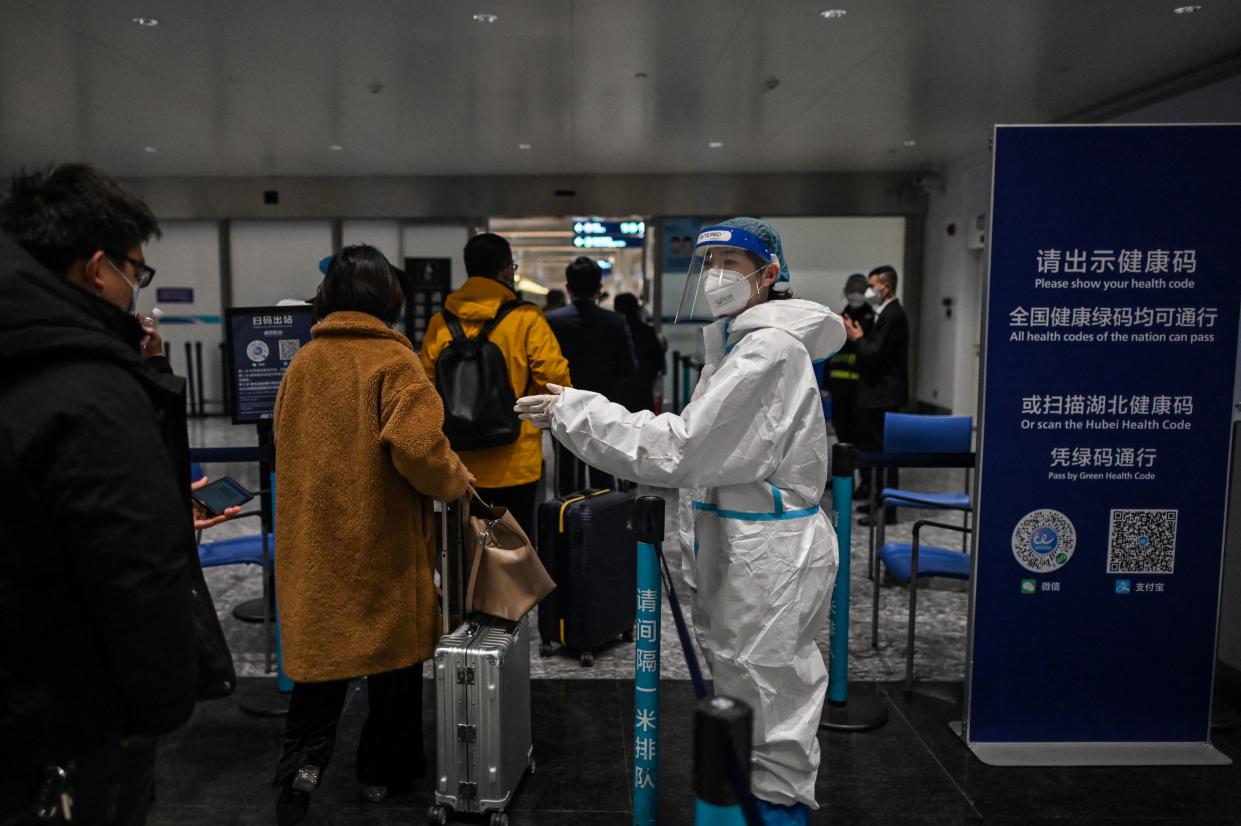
x=506, y=577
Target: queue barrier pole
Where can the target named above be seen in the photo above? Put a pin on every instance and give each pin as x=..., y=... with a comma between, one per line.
x=649, y=524
x=722, y=728
x=863, y=711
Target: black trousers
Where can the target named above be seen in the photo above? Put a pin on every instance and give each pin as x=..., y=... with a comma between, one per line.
x=574, y=474
x=845, y=416
x=519, y=499
x=870, y=439
x=390, y=749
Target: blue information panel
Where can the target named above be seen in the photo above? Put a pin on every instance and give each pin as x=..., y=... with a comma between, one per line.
x=261, y=342
x=1111, y=340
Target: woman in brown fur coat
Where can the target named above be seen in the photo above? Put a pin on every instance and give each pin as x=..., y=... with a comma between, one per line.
x=360, y=455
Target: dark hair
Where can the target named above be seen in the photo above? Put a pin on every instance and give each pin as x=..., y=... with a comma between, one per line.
x=555, y=298
x=887, y=276
x=67, y=212
x=360, y=279
x=858, y=281
x=486, y=254
x=584, y=277
x=627, y=304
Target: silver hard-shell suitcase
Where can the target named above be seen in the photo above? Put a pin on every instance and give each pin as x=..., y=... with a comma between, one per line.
x=482, y=699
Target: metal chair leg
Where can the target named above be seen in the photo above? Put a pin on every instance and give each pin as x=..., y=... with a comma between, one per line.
x=874, y=615
x=913, y=609
x=913, y=619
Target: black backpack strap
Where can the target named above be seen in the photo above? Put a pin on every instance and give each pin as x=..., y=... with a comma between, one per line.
x=505, y=308
x=454, y=325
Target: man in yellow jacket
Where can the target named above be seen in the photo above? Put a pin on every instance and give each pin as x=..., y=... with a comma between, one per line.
x=507, y=475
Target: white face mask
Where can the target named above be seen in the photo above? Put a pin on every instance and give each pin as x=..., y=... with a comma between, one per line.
x=728, y=291
x=135, y=286
x=855, y=299
x=873, y=298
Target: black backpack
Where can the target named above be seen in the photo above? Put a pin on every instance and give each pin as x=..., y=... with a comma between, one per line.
x=471, y=376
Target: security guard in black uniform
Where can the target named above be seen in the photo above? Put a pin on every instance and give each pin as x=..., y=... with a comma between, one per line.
x=842, y=369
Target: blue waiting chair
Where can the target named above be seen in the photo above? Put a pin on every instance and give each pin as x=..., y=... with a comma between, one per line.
x=908, y=561
x=915, y=433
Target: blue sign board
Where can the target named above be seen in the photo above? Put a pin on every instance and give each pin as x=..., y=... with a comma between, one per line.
x=1111, y=341
x=174, y=295
x=261, y=341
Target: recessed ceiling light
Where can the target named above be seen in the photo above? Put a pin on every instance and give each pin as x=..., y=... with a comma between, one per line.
x=1186, y=9
x=336, y=147
x=523, y=146
x=833, y=14
x=911, y=143
x=715, y=144
x=146, y=22
x=485, y=18
x=148, y=149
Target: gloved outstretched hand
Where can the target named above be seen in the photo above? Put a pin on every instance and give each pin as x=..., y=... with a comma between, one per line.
x=538, y=409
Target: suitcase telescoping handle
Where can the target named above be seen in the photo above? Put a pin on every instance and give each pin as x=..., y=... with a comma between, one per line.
x=452, y=532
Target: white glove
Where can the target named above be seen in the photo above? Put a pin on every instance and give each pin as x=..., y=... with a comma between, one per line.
x=538, y=409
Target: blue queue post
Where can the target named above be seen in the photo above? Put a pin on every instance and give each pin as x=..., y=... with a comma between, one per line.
x=649, y=524
x=263, y=699
x=723, y=728
x=845, y=711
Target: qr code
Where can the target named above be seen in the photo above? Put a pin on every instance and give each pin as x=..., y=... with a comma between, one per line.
x=1141, y=542
x=289, y=348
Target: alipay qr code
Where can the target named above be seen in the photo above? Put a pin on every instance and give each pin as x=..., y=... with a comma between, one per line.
x=1141, y=542
x=289, y=348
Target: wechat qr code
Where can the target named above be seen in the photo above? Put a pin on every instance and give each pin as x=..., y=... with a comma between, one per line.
x=289, y=348
x=1141, y=542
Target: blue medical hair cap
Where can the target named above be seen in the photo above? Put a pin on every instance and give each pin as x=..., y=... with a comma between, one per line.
x=768, y=233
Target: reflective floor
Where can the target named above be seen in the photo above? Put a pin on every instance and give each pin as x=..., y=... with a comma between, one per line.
x=911, y=771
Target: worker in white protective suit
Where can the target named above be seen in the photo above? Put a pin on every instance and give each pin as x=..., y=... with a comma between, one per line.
x=750, y=455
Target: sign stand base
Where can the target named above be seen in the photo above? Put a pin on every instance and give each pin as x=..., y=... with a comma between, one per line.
x=863, y=711
x=265, y=699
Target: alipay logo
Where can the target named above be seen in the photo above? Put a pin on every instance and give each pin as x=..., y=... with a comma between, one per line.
x=1123, y=586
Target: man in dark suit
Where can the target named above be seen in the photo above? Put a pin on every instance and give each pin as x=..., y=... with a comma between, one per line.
x=596, y=342
x=883, y=366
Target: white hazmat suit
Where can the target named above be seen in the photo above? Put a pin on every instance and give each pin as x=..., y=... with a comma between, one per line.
x=750, y=454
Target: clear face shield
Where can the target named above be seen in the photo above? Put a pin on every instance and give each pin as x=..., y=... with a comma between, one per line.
x=722, y=276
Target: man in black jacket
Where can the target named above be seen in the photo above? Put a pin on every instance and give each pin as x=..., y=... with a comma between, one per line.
x=597, y=344
x=108, y=630
x=883, y=366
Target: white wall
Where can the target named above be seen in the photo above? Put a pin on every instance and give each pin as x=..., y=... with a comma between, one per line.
x=384, y=236
x=273, y=260
x=436, y=241
x=823, y=252
x=188, y=257
x=948, y=342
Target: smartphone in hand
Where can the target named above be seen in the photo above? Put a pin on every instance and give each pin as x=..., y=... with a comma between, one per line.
x=222, y=494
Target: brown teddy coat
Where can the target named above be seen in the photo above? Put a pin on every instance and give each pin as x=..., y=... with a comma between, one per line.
x=360, y=455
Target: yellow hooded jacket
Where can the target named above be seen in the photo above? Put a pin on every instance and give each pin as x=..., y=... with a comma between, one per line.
x=534, y=361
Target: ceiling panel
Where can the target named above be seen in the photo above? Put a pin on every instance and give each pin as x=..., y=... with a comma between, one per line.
x=245, y=88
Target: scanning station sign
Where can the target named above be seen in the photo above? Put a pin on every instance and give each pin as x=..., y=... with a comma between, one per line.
x=1111, y=342
x=261, y=343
